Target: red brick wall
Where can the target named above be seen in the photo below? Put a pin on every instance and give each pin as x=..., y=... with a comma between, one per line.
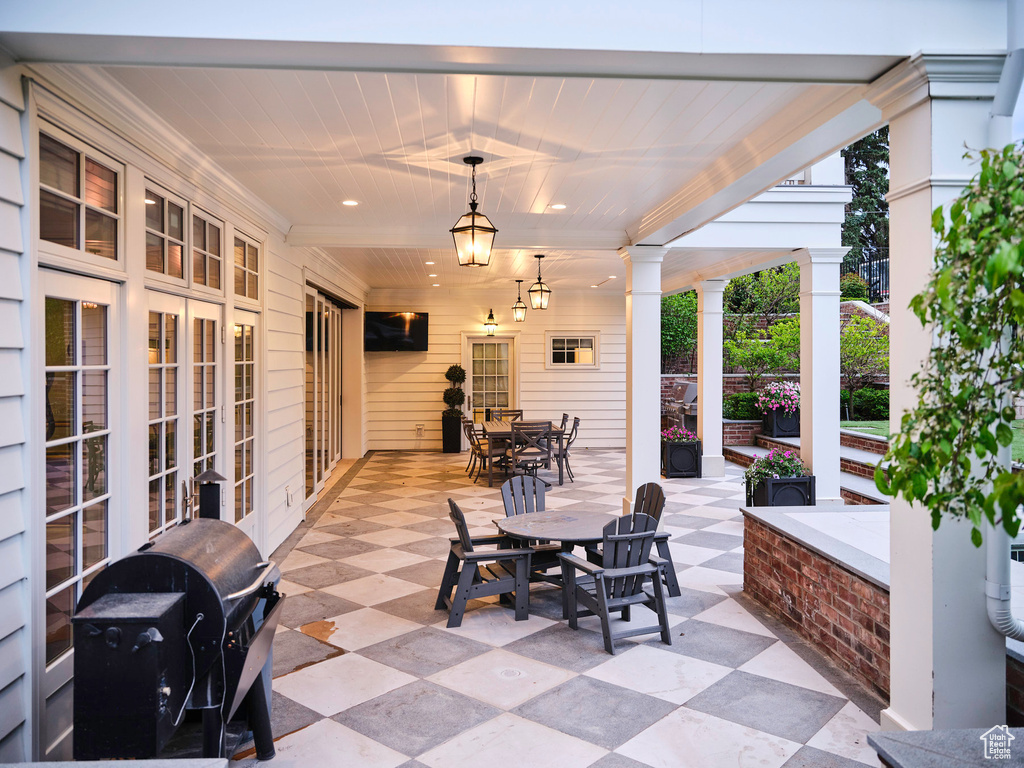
x=856, y=468
x=864, y=443
x=842, y=614
x=740, y=432
x=855, y=499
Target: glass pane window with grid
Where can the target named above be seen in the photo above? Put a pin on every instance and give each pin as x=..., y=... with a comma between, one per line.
x=163, y=421
x=206, y=258
x=245, y=404
x=247, y=269
x=490, y=377
x=204, y=394
x=78, y=200
x=165, y=234
x=77, y=373
x=578, y=350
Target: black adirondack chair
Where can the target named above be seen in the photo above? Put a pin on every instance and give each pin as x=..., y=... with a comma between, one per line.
x=473, y=573
x=616, y=585
x=650, y=500
x=521, y=495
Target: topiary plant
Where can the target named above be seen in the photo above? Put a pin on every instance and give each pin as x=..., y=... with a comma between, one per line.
x=853, y=286
x=951, y=452
x=454, y=397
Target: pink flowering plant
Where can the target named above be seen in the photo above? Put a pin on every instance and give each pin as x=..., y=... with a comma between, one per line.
x=778, y=463
x=676, y=434
x=779, y=395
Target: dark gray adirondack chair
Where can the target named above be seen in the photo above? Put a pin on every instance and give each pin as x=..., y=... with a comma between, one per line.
x=521, y=495
x=473, y=573
x=531, y=447
x=650, y=500
x=616, y=585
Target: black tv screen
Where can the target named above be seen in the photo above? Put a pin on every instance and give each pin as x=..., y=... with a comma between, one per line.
x=395, y=332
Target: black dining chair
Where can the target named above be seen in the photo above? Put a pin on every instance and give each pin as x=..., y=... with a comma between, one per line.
x=522, y=495
x=506, y=414
x=531, y=447
x=562, y=454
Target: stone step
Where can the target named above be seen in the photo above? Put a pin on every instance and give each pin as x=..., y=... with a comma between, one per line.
x=856, y=461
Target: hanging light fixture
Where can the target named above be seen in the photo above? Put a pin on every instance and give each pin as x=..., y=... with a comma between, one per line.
x=519, y=308
x=539, y=291
x=490, y=325
x=473, y=233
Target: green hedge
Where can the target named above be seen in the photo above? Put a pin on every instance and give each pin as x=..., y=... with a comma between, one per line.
x=868, y=404
x=742, y=405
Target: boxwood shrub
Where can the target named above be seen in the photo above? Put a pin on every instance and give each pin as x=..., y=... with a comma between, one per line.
x=742, y=405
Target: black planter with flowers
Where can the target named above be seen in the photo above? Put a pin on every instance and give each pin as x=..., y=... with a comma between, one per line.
x=779, y=479
x=680, y=453
x=780, y=407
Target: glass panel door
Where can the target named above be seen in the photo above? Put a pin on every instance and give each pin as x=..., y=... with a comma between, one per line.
x=165, y=360
x=323, y=389
x=490, y=379
x=204, y=350
x=245, y=400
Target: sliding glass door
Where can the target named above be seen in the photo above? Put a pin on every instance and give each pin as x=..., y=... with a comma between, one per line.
x=323, y=390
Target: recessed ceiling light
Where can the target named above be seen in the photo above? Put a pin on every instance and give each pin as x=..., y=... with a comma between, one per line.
x=593, y=286
x=558, y=206
x=350, y=202
x=611, y=277
x=437, y=285
x=428, y=262
x=432, y=275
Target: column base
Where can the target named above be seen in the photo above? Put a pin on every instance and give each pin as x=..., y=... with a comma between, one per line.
x=890, y=721
x=627, y=505
x=835, y=500
x=712, y=466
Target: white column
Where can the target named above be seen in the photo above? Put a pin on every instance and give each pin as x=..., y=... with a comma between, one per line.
x=643, y=367
x=819, y=367
x=709, y=375
x=947, y=662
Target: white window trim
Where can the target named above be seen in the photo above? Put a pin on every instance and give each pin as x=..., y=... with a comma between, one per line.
x=195, y=210
x=247, y=302
x=186, y=255
x=549, y=336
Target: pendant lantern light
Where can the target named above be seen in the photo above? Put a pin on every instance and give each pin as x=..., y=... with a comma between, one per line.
x=519, y=308
x=473, y=233
x=539, y=291
x=490, y=325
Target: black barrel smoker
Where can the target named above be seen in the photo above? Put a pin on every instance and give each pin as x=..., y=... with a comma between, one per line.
x=184, y=623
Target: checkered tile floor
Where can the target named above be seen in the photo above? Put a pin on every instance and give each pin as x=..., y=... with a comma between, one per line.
x=367, y=675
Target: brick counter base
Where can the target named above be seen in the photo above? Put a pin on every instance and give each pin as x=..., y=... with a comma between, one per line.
x=842, y=614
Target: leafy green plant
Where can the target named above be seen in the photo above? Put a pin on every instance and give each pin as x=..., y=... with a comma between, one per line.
x=742, y=405
x=863, y=353
x=951, y=451
x=869, y=404
x=453, y=396
x=777, y=463
x=678, y=331
x=758, y=354
x=676, y=434
x=765, y=295
x=853, y=286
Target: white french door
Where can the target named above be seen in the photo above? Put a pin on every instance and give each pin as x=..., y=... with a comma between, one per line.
x=323, y=390
x=246, y=482
x=490, y=374
x=83, y=508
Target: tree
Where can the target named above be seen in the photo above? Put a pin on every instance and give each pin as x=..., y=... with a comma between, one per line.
x=863, y=352
x=765, y=295
x=759, y=353
x=678, y=331
x=866, y=227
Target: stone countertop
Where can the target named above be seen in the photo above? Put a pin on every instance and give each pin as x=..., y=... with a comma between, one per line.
x=945, y=749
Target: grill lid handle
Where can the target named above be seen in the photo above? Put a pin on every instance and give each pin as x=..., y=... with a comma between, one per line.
x=265, y=567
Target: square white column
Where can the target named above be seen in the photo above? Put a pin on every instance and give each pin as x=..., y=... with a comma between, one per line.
x=643, y=367
x=819, y=367
x=710, y=314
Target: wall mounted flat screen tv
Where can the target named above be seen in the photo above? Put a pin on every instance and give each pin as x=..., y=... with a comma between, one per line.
x=395, y=332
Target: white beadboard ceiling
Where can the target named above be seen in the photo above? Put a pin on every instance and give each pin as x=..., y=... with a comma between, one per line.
x=611, y=150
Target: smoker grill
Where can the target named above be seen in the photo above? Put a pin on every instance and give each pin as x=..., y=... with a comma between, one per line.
x=184, y=623
x=686, y=396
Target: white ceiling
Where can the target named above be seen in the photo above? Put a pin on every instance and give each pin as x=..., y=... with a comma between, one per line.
x=612, y=150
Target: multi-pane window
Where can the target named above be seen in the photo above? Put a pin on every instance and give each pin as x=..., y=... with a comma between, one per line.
x=165, y=235
x=78, y=200
x=572, y=350
x=77, y=376
x=206, y=237
x=490, y=385
x=247, y=269
x=163, y=420
x=204, y=410
x=245, y=400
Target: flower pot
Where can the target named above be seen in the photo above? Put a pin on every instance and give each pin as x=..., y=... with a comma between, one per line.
x=782, y=492
x=451, y=433
x=778, y=423
x=681, y=459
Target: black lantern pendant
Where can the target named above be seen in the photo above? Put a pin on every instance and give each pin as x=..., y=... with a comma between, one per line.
x=519, y=308
x=490, y=325
x=539, y=291
x=473, y=233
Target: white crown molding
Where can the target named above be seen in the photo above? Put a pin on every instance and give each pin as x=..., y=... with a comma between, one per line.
x=336, y=277
x=726, y=269
x=923, y=75
x=416, y=237
x=111, y=105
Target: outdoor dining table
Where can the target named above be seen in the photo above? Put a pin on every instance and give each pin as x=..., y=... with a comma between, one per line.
x=502, y=430
x=568, y=528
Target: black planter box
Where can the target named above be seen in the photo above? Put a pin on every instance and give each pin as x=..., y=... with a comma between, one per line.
x=451, y=433
x=777, y=423
x=782, y=492
x=680, y=459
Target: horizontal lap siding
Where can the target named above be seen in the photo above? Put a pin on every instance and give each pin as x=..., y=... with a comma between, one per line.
x=404, y=389
x=14, y=635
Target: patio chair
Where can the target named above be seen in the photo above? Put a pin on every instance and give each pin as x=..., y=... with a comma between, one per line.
x=531, y=447
x=506, y=414
x=566, y=445
x=650, y=501
x=616, y=584
x=521, y=495
x=473, y=573
x=478, y=444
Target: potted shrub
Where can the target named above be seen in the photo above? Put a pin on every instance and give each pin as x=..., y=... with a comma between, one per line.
x=680, y=453
x=779, y=403
x=779, y=479
x=451, y=417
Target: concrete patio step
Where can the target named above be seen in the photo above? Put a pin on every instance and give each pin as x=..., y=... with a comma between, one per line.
x=856, y=461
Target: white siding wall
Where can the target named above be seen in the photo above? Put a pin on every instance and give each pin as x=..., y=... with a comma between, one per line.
x=14, y=641
x=404, y=388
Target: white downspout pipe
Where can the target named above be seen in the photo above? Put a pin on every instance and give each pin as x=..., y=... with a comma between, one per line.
x=997, y=572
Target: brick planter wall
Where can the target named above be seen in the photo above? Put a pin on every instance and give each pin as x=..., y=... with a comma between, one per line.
x=841, y=613
x=873, y=445
x=855, y=499
x=856, y=468
x=740, y=431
